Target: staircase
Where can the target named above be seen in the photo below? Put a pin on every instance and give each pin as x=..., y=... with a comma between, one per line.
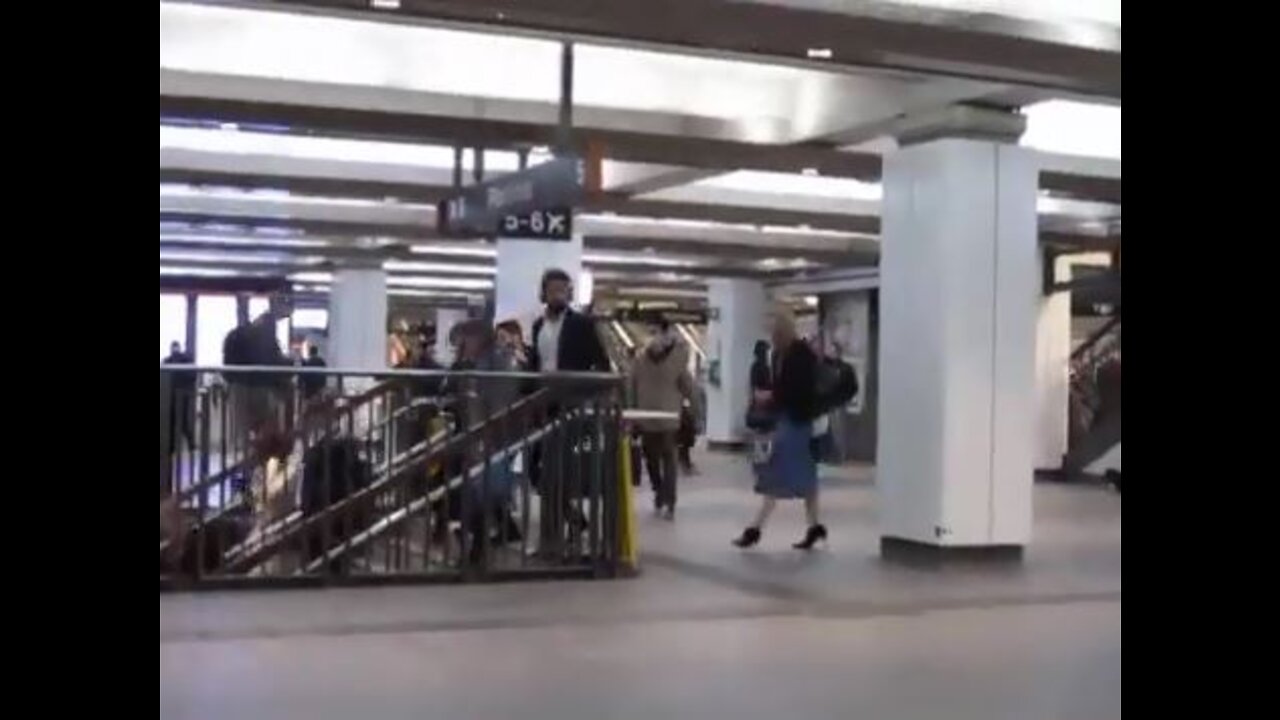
x=1095, y=400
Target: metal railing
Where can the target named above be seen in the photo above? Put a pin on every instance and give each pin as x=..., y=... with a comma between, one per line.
x=272, y=476
x=1088, y=397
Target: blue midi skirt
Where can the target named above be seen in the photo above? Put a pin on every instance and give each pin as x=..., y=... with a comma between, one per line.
x=787, y=468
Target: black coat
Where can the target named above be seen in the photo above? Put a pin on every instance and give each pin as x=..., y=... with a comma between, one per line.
x=793, y=384
x=580, y=348
x=761, y=374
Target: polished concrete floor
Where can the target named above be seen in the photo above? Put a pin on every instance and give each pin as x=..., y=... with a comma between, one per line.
x=706, y=631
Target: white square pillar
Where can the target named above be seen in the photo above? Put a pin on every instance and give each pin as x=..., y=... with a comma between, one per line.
x=960, y=289
x=446, y=319
x=358, y=319
x=737, y=321
x=1053, y=372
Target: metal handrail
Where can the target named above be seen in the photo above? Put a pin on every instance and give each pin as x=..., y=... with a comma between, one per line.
x=343, y=508
x=1095, y=338
x=393, y=373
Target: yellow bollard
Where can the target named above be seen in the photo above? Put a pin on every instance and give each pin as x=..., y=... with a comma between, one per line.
x=630, y=552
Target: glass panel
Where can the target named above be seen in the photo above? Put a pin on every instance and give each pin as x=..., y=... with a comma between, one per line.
x=173, y=322
x=311, y=318
x=215, y=317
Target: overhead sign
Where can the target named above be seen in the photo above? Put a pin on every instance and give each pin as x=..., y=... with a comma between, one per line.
x=554, y=224
x=483, y=209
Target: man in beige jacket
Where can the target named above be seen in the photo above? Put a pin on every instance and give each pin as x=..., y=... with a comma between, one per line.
x=660, y=380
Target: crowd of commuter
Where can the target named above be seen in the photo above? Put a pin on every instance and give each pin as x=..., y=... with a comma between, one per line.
x=786, y=408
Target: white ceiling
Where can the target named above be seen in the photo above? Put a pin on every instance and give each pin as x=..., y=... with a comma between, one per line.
x=236, y=53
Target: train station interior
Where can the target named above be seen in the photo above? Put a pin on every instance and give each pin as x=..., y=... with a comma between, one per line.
x=676, y=358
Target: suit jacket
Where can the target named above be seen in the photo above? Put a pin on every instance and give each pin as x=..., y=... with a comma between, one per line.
x=580, y=349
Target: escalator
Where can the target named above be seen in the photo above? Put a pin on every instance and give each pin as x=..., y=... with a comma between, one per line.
x=1095, y=408
x=694, y=335
x=639, y=333
x=618, y=344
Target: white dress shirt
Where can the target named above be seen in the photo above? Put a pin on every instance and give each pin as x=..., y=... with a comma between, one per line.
x=549, y=342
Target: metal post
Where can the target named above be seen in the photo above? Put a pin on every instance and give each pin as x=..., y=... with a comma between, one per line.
x=192, y=315
x=457, y=166
x=564, y=130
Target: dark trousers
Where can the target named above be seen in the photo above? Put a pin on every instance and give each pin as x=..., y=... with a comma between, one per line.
x=660, y=461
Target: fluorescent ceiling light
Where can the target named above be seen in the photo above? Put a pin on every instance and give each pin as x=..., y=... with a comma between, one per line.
x=271, y=196
x=452, y=250
x=311, y=277
x=1072, y=128
x=426, y=267
x=237, y=241
x=404, y=292
x=607, y=259
x=324, y=289
x=198, y=272
x=181, y=256
x=412, y=281
x=791, y=184
x=440, y=282
x=1076, y=208
x=660, y=292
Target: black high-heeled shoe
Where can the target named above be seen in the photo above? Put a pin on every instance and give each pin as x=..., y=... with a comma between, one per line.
x=811, y=538
x=749, y=537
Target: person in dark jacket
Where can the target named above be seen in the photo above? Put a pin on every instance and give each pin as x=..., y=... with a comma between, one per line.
x=564, y=340
x=475, y=400
x=257, y=398
x=760, y=415
x=182, y=397
x=789, y=471
x=761, y=373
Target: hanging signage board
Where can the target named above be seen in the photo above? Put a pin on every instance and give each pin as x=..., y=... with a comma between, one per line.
x=553, y=224
x=484, y=209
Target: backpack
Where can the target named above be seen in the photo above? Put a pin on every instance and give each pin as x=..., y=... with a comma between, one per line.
x=835, y=384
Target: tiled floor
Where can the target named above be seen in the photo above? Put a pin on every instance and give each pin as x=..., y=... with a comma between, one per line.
x=706, y=631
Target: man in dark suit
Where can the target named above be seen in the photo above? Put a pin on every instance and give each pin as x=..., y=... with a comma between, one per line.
x=564, y=340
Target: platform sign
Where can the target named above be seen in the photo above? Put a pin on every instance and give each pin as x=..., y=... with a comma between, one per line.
x=553, y=224
x=485, y=208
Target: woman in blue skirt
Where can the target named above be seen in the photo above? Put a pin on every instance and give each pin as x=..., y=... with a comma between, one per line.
x=788, y=470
